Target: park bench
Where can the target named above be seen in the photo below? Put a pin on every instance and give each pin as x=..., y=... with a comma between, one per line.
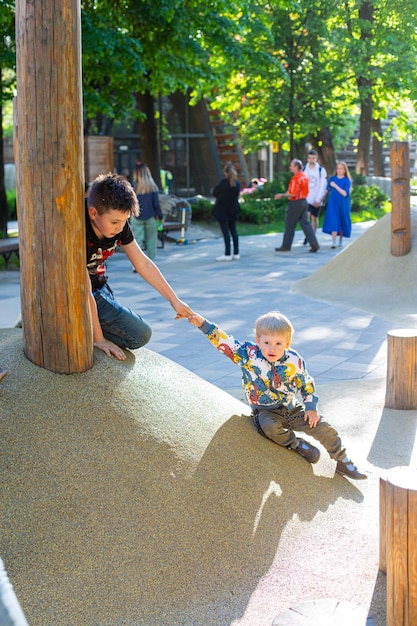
x=9, y=246
x=168, y=227
x=181, y=210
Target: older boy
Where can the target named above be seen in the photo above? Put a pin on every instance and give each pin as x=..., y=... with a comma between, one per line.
x=111, y=202
x=272, y=376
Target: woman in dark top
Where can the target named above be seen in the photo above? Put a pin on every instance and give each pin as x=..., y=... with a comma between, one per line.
x=226, y=211
x=145, y=227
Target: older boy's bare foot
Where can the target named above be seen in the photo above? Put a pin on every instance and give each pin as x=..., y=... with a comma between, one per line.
x=3, y=373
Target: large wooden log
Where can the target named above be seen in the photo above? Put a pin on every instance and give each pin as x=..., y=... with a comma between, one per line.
x=399, y=533
x=383, y=524
x=401, y=388
x=50, y=185
x=400, y=198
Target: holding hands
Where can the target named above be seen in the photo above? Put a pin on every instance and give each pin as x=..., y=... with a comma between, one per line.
x=181, y=308
x=196, y=320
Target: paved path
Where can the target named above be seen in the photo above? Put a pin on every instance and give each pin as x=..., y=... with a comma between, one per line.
x=338, y=343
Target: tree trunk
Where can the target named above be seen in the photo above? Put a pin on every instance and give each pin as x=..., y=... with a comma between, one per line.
x=145, y=103
x=4, y=209
x=50, y=186
x=378, y=148
x=323, y=144
x=365, y=123
x=364, y=83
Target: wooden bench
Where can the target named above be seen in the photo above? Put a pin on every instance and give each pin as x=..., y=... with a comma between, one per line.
x=9, y=246
x=168, y=227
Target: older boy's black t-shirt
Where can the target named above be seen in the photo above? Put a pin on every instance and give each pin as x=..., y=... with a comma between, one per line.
x=98, y=250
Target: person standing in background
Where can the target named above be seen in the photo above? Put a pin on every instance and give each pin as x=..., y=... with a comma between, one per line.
x=317, y=188
x=166, y=181
x=145, y=226
x=296, y=210
x=337, y=220
x=226, y=210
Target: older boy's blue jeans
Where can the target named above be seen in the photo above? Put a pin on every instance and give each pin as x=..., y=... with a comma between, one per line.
x=119, y=324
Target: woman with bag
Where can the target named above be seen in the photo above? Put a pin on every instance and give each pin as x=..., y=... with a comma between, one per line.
x=226, y=210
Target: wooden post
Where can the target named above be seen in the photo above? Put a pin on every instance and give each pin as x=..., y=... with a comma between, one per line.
x=401, y=546
x=50, y=185
x=400, y=198
x=383, y=524
x=401, y=388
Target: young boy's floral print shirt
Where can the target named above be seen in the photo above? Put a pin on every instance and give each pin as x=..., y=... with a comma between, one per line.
x=265, y=384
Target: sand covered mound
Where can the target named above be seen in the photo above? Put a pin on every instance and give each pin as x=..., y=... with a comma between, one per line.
x=366, y=276
x=137, y=494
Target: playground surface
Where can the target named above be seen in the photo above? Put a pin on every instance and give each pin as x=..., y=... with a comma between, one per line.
x=139, y=493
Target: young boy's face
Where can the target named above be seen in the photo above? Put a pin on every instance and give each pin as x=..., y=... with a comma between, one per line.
x=109, y=224
x=273, y=346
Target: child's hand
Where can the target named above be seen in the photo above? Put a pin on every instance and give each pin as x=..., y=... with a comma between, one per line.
x=312, y=417
x=182, y=309
x=196, y=320
x=110, y=348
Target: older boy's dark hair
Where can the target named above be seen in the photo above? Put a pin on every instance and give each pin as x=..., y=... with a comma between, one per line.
x=112, y=191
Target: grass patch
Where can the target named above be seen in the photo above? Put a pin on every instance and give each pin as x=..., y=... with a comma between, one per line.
x=366, y=215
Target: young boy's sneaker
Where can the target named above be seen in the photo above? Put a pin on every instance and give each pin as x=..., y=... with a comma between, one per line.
x=349, y=469
x=306, y=450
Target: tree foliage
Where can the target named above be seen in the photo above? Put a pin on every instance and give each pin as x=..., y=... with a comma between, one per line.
x=7, y=81
x=292, y=71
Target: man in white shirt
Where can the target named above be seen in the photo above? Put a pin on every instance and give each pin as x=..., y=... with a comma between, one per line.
x=317, y=187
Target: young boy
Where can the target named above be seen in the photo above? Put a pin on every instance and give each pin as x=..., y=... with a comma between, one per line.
x=111, y=202
x=272, y=376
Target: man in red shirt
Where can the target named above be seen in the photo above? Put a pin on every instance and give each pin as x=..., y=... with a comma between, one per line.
x=296, y=210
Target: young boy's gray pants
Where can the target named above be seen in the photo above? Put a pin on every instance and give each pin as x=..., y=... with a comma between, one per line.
x=279, y=424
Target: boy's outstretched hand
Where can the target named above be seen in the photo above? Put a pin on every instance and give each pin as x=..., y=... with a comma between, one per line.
x=182, y=310
x=196, y=320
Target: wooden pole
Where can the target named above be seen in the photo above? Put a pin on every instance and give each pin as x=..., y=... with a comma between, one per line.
x=50, y=185
x=383, y=524
x=401, y=388
x=401, y=546
x=400, y=198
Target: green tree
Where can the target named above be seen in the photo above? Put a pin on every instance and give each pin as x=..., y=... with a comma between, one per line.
x=377, y=40
x=297, y=94
x=139, y=50
x=112, y=66
x=7, y=82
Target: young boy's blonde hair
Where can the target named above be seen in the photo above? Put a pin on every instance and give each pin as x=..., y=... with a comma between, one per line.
x=274, y=323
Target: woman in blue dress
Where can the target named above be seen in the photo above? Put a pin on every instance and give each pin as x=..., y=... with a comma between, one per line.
x=337, y=219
